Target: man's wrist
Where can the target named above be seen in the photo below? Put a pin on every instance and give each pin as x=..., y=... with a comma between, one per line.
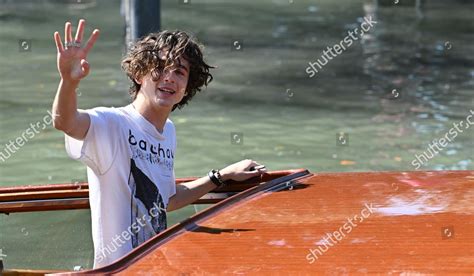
x=70, y=83
x=216, y=178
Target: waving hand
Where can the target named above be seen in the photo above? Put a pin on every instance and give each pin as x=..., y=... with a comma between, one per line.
x=72, y=56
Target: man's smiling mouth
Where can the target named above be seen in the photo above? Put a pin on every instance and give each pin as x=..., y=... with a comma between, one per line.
x=166, y=90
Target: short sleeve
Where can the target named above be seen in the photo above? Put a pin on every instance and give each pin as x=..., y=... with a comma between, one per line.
x=99, y=147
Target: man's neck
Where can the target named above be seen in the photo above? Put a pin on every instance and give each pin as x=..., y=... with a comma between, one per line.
x=156, y=116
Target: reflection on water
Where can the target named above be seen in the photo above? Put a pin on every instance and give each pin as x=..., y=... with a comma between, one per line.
x=401, y=86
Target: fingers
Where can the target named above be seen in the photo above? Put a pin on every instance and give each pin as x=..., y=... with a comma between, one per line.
x=67, y=32
x=252, y=165
x=258, y=167
x=80, y=31
x=59, y=43
x=250, y=174
x=79, y=36
x=91, y=41
x=255, y=168
x=256, y=172
x=242, y=170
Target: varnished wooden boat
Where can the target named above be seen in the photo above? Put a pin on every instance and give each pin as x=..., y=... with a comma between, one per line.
x=296, y=222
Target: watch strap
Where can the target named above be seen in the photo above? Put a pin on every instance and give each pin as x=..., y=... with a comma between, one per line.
x=216, y=178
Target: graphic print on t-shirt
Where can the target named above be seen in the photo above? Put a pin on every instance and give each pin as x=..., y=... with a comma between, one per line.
x=145, y=197
x=155, y=154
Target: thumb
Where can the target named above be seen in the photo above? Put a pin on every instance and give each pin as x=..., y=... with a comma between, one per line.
x=85, y=68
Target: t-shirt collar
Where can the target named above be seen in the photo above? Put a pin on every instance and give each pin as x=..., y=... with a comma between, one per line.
x=144, y=123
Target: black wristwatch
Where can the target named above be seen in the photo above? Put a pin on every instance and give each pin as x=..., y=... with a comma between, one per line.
x=216, y=178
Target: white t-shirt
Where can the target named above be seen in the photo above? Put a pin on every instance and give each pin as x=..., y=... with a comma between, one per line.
x=130, y=169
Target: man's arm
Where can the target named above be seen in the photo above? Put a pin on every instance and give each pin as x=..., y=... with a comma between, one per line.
x=66, y=116
x=72, y=67
x=187, y=193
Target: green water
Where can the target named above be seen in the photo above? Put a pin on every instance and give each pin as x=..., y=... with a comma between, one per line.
x=261, y=92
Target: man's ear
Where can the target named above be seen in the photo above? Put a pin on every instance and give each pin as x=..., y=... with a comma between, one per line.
x=138, y=81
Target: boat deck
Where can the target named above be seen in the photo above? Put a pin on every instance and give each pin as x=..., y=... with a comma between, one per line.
x=400, y=222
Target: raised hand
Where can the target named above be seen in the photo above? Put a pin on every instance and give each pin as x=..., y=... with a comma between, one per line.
x=72, y=56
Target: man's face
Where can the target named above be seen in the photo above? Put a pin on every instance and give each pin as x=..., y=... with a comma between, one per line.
x=170, y=88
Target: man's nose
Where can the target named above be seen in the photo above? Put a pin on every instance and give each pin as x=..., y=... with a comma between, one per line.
x=169, y=76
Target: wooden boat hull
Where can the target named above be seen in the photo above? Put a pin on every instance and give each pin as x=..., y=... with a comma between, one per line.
x=302, y=223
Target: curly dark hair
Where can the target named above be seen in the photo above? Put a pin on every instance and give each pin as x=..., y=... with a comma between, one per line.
x=143, y=57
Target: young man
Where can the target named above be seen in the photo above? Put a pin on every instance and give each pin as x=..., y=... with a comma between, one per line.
x=129, y=151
